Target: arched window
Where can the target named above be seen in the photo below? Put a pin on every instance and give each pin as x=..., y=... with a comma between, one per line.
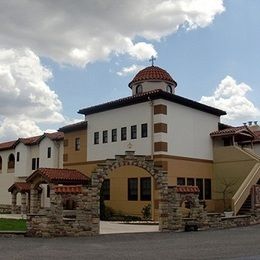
x=169, y=89
x=0, y=163
x=11, y=161
x=139, y=89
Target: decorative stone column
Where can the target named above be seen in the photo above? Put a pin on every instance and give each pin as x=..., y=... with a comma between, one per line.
x=14, y=202
x=34, y=202
x=23, y=203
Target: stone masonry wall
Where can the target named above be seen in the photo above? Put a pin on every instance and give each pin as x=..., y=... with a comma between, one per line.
x=52, y=223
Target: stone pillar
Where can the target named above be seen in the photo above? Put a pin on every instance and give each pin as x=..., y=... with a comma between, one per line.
x=14, y=201
x=34, y=201
x=39, y=199
x=23, y=203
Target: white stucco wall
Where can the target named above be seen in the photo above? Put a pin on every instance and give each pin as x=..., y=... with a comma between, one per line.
x=122, y=117
x=6, y=178
x=188, y=131
x=53, y=161
x=23, y=167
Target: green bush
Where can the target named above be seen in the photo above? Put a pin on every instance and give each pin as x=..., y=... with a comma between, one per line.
x=146, y=212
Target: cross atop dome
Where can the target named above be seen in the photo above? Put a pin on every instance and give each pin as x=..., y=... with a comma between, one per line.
x=152, y=60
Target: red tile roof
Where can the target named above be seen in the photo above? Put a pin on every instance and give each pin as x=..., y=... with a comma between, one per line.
x=74, y=127
x=68, y=189
x=187, y=189
x=60, y=176
x=152, y=73
x=7, y=145
x=20, y=186
x=56, y=136
x=30, y=140
x=231, y=131
x=147, y=96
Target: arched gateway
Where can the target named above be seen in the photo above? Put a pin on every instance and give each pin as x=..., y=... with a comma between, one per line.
x=130, y=159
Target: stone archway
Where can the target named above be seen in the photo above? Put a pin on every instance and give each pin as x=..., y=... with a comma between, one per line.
x=130, y=159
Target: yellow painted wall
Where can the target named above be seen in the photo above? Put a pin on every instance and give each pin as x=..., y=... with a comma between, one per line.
x=73, y=155
x=119, y=190
x=231, y=166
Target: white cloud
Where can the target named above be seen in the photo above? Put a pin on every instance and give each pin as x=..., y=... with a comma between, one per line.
x=25, y=97
x=231, y=97
x=88, y=31
x=129, y=70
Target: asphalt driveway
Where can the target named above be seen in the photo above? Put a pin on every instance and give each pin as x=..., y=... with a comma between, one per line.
x=237, y=243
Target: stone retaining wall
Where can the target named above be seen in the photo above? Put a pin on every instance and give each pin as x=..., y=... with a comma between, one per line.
x=52, y=223
x=7, y=209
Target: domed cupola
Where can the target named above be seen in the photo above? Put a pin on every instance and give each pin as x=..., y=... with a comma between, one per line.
x=152, y=78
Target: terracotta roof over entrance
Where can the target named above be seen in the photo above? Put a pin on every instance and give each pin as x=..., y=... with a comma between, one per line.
x=68, y=189
x=59, y=176
x=232, y=131
x=20, y=186
x=187, y=189
x=152, y=73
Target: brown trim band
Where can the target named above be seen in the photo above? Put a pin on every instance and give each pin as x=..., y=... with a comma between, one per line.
x=160, y=146
x=164, y=156
x=160, y=109
x=160, y=128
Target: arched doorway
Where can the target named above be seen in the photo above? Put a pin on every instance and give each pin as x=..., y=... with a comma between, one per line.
x=129, y=159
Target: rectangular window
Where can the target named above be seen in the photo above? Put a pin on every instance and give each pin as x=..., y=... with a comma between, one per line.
x=123, y=134
x=48, y=191
x=96, y=138
x=105, y=137
x=199, y=183
x=180, y=181
x=65, y=157
x=33, y=163
x=105, y=190
x=37, y=163
x=190, y=182
x=132, y=189
x=18, y=156
x=145, y=188
x=49, y=152
x=77, y=144
x=207, y=184
x=144, y=132
x=133, y=132
x=114, y=135
x=65, y=142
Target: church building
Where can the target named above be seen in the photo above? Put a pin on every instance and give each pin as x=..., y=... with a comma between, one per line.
x=171, y=130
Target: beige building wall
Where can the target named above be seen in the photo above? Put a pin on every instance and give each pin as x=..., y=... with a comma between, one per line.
x=231, y=166
x=119, y=191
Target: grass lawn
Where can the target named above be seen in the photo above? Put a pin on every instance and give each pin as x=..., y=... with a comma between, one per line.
x=12, y=224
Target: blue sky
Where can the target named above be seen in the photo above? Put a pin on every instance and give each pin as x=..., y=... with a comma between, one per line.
x=210, y=48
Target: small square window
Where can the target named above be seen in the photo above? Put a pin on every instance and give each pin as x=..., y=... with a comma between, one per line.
x=123, y=134
x=114, y=135
x=105, y=137
x=49, y=152
x=65, y=142
x=144, y=132
x=77, y=144
x=96, y=138
x=133, y=132
x=180, y=181
x=190, y=182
